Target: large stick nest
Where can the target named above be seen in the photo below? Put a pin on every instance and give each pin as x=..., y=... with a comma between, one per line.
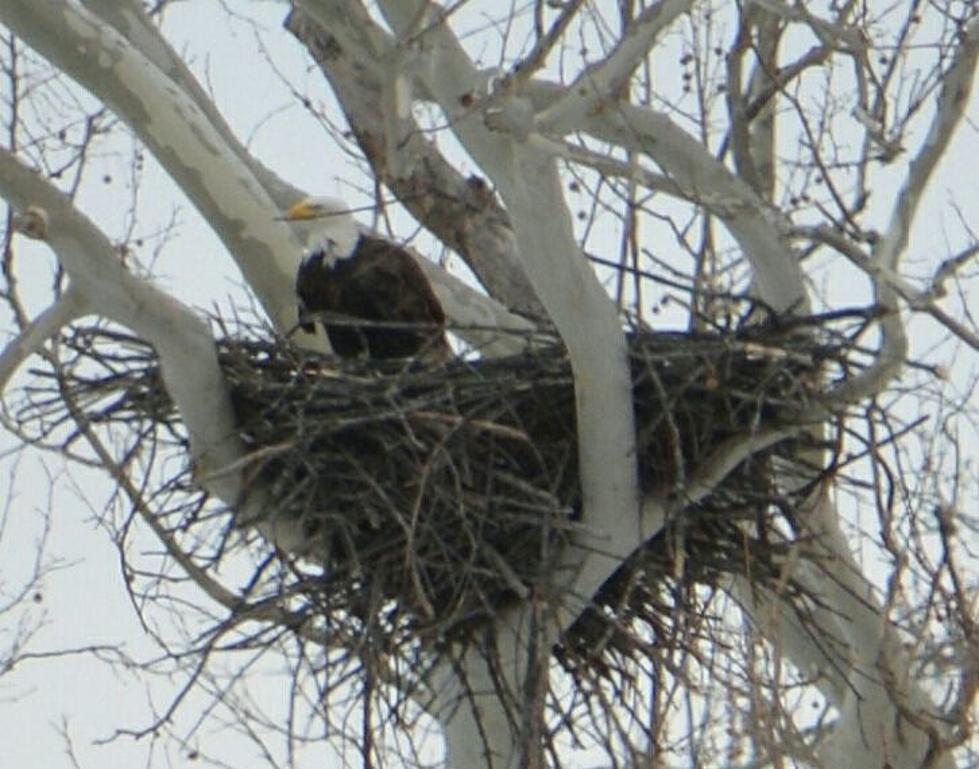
x=431, y=496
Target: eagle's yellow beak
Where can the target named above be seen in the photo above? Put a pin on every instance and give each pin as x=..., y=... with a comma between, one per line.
x=302, y=211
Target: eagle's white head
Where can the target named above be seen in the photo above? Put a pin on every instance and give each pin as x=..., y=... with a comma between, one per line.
x=325, y=224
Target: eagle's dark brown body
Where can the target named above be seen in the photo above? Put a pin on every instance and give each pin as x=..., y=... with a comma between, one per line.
x=379, y=283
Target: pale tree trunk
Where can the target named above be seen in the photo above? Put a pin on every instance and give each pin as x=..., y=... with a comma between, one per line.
x=528, y=258
x=846, y=639
x=519, y=158
x=533, y=121
x=178, y=133
x=238, y=196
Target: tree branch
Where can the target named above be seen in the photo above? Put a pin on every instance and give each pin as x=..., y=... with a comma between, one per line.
x=69, y=306
x=183, y=342
x=462, y=212
x=888, y=250
x=211, y=174
x=848, y=640
x=919, y=301
x=587, y=320
x=758, y=228
x=528, y=182
x=607, y=80
x=131, y=21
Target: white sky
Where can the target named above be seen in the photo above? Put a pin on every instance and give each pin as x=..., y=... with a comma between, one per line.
x=84, y=603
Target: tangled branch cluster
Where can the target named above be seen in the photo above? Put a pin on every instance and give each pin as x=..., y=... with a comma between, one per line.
x=429, y=497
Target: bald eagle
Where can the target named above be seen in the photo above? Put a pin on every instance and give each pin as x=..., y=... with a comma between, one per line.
x=346, y=277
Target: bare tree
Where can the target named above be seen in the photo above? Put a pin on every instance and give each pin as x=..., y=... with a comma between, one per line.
x=700, y=594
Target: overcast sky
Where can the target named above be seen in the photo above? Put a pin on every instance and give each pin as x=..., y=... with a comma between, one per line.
x=84, y=602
